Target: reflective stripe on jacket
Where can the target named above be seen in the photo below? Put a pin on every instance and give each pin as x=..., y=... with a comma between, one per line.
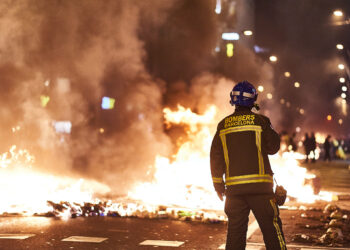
x=239, y=153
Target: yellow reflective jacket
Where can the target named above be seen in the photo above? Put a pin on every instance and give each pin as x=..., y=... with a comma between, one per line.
x=239, y=153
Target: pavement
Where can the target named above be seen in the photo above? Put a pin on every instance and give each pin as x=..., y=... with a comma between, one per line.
x=334, y=175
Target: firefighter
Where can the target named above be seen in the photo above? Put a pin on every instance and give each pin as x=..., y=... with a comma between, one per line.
x=241, y=170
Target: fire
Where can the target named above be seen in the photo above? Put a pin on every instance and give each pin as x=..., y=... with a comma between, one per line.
x=14, y=157
x=295, y=179
x=187, y=117
x=184, y=180
x=25, y=190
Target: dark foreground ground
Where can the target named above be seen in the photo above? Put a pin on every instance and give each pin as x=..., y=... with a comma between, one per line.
x=129, y=233
x=304, y=226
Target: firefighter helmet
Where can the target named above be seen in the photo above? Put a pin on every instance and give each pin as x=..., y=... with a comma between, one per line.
x=243, y=94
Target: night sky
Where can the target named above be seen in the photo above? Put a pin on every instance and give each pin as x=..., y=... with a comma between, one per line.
x=303, y=35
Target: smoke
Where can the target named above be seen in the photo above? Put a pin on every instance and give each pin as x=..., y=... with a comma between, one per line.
x=146, y=55
x=208, y=88
x=82, y=50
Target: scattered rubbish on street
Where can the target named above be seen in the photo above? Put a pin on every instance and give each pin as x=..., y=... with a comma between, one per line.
x=333, y=223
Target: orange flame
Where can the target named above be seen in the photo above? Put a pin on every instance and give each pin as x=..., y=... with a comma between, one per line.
x=183, y=180
x=25, y=190
x=186, y=180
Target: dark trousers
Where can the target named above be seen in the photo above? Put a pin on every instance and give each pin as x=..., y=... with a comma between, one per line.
x=266, y=212
x=327, y=155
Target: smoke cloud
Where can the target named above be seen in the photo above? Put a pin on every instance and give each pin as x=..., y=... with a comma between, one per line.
x=82, y=51
x=145, y=54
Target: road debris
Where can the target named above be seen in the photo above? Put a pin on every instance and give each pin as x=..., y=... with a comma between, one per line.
x=67, y=210
x=333, y=223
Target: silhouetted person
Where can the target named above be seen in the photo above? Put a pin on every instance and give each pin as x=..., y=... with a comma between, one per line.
x=307, y=147
x=284, y=141
x=292, y=145
x=327, y=149
x=313, y=146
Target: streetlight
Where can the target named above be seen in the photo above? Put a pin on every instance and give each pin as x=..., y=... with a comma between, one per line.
x=273, y=58
x=248, y=32
x=297, y=84
x=338, y=13
x=287, y=74
x=344, y=88
x=341, y=66
x=218, y=7
x=342, y=79
x=340, y=46
x=261, y=88
x=269, y=96
x=343, y=95
x=47, y=83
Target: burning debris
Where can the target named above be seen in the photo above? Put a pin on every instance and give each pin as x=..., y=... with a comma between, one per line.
x=332, y=224
x=172, y=184
x=128, y=209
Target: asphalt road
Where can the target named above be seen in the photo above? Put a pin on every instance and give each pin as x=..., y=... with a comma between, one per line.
x=131, y=233
x=121, y=233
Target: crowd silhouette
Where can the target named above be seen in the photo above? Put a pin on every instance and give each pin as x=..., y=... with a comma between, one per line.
x=328, y=150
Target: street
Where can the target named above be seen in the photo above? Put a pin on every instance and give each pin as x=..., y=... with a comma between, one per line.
x=334, y=175
x=129, y=233
x=121, y=233
x=125, y=123
x=136, y=233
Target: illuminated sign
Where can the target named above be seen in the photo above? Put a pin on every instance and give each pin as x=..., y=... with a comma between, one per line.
x=218, y=7
x=44, y=100
x=107, y=102
x=230, y=36
x=62, y=126
x=229, y=49
x=258, y=49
